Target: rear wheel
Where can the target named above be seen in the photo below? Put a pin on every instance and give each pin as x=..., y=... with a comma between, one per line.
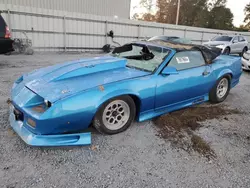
x=221, y=90
x=115, y=116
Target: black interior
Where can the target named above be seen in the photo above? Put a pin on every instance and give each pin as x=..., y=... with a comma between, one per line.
x=145, y=54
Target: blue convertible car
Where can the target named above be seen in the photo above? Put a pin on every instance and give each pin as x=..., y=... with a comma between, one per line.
x=51, y=106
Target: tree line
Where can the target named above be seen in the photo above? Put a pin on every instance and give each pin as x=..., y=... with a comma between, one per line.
x=198, y=13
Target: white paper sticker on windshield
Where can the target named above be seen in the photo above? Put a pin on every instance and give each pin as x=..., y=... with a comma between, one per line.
x=182, y=60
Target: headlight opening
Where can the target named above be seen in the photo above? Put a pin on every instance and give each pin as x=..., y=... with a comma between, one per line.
x=47, y=103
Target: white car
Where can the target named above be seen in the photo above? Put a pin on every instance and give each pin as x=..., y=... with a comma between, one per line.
x=246, y=61
x=229, y=44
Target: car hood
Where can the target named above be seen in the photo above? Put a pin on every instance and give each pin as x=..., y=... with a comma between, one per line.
x=216, y=43
x=58, y=81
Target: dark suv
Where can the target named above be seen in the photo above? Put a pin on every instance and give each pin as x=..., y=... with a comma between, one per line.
x=5, y=38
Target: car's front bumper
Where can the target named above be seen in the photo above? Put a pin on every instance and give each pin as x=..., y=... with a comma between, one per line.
x=47, y=140
x=245, y=64
x=222, y=48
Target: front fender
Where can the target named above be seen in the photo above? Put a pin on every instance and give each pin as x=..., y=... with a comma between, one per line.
x=84, y=106
x=113, y=94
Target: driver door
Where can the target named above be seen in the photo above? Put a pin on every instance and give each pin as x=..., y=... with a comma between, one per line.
x=190, y=84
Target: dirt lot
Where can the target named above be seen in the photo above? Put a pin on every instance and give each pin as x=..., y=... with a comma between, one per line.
x=209, y=149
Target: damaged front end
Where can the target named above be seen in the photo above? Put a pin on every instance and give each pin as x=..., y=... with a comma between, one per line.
x=64, y=98
x=39, y=123
x=47, y=140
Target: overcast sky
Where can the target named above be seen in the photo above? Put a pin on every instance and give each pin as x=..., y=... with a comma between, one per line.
x=236, y=6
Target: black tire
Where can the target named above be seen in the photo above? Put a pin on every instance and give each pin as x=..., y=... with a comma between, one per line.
x=98, y=119
x=8, y=53
x=226, y=51
x=213, y=97
x=243, y=51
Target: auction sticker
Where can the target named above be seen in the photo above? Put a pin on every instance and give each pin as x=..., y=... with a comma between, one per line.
x=181, y=60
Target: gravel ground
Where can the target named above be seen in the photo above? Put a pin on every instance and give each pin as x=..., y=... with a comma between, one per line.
x=135, y=158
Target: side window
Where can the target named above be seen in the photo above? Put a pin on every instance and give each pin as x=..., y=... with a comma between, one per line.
x=236, y=40
x=186, y=60
x=242, y=39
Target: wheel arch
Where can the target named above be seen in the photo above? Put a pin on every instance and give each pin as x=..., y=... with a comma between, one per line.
x=213, y=97
x=229, y=76
x=225, y=72
x=228, y=48
x=137, y=101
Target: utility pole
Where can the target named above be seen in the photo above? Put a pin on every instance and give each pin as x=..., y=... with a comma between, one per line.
x=178, y=11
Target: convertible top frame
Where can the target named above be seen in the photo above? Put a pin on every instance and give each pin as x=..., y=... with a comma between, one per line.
x=209, y=54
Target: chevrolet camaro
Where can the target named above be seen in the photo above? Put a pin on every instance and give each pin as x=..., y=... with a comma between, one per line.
x=54, y=106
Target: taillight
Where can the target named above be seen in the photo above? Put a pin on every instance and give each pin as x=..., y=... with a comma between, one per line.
x=7, y=33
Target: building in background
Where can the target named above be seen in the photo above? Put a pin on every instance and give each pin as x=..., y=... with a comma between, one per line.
x=117, y=8
x=82, y=25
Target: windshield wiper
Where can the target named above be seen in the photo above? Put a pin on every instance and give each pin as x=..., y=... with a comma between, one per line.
x=132, y=67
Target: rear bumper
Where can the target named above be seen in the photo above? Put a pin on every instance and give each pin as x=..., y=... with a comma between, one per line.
x=6, y=46
x=47, y=140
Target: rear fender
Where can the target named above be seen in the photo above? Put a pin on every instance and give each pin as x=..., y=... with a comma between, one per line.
x=224, y=72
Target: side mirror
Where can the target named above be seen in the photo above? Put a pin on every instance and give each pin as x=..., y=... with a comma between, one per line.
x=169, y=71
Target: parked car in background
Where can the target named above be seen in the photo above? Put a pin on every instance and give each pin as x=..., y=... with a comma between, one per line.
x=229, y=44
x=246, y=60
x=5, y=38
x=171, y=39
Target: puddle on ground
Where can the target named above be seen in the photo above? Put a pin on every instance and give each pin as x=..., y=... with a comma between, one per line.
x=179, y=127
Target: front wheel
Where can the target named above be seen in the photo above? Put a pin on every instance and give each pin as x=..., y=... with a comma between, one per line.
x=243, y=51
x=115, y=116
x=221, y=90
x=226, y=51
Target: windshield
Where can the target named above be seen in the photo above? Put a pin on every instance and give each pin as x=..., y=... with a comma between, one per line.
x=142, y=57
x=162, y=38
x=222, y=38
x=182, y=41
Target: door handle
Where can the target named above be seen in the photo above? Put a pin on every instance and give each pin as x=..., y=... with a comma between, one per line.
x=205, y=73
